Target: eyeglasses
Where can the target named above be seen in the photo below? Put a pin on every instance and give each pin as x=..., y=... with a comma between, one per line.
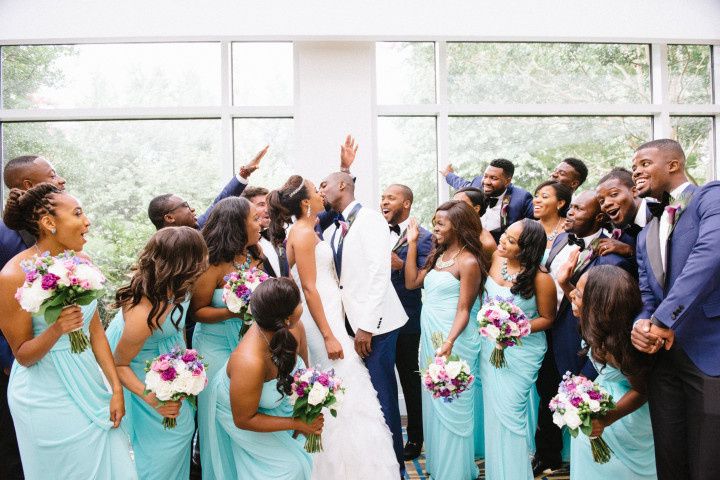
x=182, y=205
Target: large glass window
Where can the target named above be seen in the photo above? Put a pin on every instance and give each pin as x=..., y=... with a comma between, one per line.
x=690, y=69
x=695, y=134
x=251, y=135
x=262, y=73
x=405, y=72
x=408, y=155
x=116, y=167
x=537, y=144
x=548, y=73
x=111, y=75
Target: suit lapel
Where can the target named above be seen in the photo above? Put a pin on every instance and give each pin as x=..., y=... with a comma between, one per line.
x=652, y=245
x=557, y=246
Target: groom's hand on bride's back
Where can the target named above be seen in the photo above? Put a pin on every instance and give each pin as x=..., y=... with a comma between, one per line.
x=363, y=341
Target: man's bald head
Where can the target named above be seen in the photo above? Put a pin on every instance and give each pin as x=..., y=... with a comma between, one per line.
x=26, y=171
x=584, y=217
x=338, y=190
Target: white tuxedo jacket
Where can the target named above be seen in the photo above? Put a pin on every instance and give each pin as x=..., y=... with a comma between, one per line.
x=272, y=256
x=370, y=301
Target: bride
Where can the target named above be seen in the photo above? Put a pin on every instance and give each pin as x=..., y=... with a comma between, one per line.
x=357, y=444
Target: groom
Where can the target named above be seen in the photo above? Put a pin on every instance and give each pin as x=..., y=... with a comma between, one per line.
x=373, y=312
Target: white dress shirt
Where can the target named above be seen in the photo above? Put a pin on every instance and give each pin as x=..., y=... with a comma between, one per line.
x=491, y=219
x=394, y=237
x=665, y=226
x=562, y=257
x=641, y=215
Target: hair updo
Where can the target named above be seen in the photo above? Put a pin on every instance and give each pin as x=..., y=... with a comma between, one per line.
x=283, y=203
x=272, y=302
x=25, y=208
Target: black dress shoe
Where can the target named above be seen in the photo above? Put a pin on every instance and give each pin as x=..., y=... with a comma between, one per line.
x=411, y=450
x=539, y=467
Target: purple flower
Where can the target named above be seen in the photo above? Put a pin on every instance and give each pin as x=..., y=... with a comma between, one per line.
x=169, y=374
x=576, y=401
x=324, y=380
x=189, y=356
x=594, y=395
x=49, y=281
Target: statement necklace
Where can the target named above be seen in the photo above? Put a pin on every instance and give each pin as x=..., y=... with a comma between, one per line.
x=555, y=232
x=442, y=264
x=243, y=266
x=504, y=273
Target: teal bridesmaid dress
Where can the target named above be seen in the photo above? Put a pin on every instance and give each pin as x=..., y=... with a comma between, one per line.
x=448, y=427
x=160, y=454
x=236, y=453
x=630, y=438
x=507, y=394
x=61, y=410
x=215, y=342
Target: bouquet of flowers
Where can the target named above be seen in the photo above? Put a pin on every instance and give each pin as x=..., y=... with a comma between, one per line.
x=52, y=283
x=179, y=374
x=446, y=377
x=577, y=402
x=504, y=323
x=238, y=290
x=313, y=390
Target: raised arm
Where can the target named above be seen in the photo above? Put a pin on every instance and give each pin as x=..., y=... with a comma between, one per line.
x=303, y=244
x=414, y=276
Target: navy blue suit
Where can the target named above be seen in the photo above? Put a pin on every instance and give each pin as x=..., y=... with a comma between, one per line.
x=408, y=342
x=11, y=243
x=520, y=205
x=684, y=387
x=234, y=188
x=564, y=343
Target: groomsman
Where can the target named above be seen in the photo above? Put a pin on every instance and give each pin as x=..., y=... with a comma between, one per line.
x=169, y=210
x=582, y=238
x=395, y=204
x=571, y=172
x=506, y=203
x=679, y=270
x=22, y=172
x=276, y=263
x=627, y=212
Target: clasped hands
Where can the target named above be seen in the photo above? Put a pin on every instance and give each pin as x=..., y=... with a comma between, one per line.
x=650, y=338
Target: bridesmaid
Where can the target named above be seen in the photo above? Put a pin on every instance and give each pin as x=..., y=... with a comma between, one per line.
x=550, y=205
x=607, y=300
x=452, y=278
x=231, y=233
x=475, y=197
x=150, y=322
x=515, y=273
x=65, y=418
x=251, y=425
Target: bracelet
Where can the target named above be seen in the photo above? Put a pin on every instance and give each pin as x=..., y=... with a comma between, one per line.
x=344, y=169
x=448, y=341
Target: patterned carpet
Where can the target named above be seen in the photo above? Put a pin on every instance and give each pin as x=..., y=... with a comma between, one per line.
x=416, y=468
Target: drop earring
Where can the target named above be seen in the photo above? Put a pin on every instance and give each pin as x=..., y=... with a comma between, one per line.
x=53, y=231
x=308, y=212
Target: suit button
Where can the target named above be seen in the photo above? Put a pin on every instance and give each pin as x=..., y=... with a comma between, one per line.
x=340, y=287
x=681, y=307
x=673, y=316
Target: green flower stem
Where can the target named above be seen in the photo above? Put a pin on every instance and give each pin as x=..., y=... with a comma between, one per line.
x=79, y=342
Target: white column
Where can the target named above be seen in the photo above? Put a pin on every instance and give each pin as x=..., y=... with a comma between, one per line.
x=335, y=96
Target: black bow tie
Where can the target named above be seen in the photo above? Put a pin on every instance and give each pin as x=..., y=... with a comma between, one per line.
x=633, y=230
x=395, y=228
x=657, y=208
x=574, y=240
x=492, y=201
x=339, y=218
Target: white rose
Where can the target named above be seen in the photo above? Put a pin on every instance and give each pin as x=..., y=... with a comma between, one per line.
x=318, y=394
x=91, y=274
x=233, y=303
x=163, y=391
x=493, y=331
x=594, y=405
x=434, y=371
x=182, y=382
x=453, y=369
x=503, y=314
x=339, y=398
x=32, y=298
x=305, y=377
x=197, y=385
x=558, y=419
x=514, y=329
x=152, y=378
x=572, y=419
x=58, y=269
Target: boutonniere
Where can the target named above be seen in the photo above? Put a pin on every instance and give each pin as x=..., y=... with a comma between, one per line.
x=676, y=208
x=587, y=255
x=616, y=233
x=504, y=207
x=401, y=241
x=344, y=227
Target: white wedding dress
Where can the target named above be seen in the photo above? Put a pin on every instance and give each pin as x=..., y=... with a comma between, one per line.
x=357, y=444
